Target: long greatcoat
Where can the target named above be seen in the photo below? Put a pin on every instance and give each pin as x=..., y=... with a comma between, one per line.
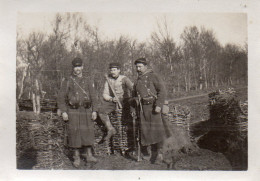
x=80, y=125
x=153, y=128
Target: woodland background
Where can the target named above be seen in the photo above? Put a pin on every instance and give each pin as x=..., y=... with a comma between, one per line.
x=198, y=63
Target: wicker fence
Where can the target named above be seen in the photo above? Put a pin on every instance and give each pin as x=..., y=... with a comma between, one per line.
x=45, y=135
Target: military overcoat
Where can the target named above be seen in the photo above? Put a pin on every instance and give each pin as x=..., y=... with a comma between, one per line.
x=79, y=106
x=152, y=126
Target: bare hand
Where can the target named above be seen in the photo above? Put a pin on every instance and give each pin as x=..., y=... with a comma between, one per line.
x=133, y=114
x=59, y=112
x=94, y=115
x=65, y=116
x=157, y=109
x=114, y=99
x=165, y=109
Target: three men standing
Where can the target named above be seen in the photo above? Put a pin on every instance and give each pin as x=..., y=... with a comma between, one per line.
x=78, y=104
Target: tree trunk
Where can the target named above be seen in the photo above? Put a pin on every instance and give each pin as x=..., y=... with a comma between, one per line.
x=34, y=102
x=205, y=79
x=22, y=84
x=186, y=83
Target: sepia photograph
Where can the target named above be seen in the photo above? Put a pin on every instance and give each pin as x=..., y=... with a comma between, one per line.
x=132, y=91
x=129, y=90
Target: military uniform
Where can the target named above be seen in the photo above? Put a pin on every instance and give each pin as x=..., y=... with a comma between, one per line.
x=79, y=107
x=117, y=90
x=152, y=92
x=122, y=87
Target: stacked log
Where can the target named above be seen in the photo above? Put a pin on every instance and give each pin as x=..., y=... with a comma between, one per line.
x=47, y=105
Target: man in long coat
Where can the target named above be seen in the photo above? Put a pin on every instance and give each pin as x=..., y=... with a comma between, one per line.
x=151, y=91
x=78, y=104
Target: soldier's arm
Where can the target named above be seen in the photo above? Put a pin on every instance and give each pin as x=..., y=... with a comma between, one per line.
x=160, y=89
x=61, y=100
x=134, y=92
x=93, y=96
x=128, y=83
x=106, y=93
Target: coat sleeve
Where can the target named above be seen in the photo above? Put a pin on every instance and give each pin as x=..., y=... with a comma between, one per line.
x=160, y=89
x=134, y=92
x=93, y=96
x=106, y=93
x=129, y=85
x=62, y=96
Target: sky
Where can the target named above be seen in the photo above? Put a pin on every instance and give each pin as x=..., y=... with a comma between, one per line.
x=228, y=27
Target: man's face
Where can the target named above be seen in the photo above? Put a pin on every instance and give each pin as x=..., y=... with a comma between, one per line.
x=141, y=68
x=114, y=72
x=78, y=70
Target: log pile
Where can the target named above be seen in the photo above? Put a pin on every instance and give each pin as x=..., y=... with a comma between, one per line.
x=47, y=105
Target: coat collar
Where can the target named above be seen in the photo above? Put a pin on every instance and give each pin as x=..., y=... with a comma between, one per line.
x=145, y=73
x=76, y=77
x=113, y=77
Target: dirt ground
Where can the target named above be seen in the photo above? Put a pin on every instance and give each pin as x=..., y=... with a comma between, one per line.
x=200, y=160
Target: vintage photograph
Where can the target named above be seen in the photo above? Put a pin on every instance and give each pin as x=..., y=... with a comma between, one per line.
x=131, y=91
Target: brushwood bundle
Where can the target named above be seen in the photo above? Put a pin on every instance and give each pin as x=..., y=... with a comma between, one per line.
x=227, y=127
x=118, y=142
x=46, y=137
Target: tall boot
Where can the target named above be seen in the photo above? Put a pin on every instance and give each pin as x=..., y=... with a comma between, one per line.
x=110, y=129
x=146, y=156
x=88, y=155
x=76, y=158
x=154, y=153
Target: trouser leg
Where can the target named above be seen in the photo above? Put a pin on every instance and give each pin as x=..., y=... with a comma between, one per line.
x=76, y=158
x=88, y=154
x=144, y=151
x=154, y=152
x=110, y=129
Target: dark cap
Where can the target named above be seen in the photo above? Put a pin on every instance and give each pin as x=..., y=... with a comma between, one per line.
x=141, y=60
x=114, y=65
x=77, y=62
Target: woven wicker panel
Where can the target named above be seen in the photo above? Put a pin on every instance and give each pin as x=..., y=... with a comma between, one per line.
x=119, y=140
x=46, y=136
x=100, y=147
x=179, y=116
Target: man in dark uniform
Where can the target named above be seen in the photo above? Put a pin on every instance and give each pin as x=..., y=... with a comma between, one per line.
x=78, y=105
x=122, y=87
x=151, y=91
